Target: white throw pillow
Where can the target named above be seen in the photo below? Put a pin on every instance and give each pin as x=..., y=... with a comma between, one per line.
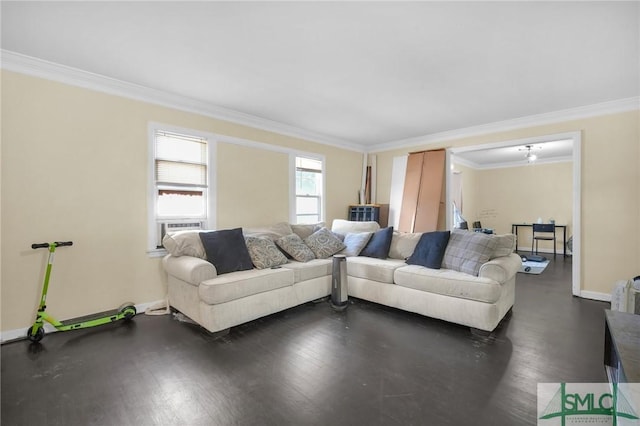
x=403, y=244
x=184, y=243
x=343, y=227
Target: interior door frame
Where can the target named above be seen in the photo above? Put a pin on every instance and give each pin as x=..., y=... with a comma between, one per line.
x=576, y=137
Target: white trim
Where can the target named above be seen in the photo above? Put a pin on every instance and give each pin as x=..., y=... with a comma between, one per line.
x=292, y=188
x=448, y=205
x=516, y=142
x=293, y=218
x=595, y=295
x=374, y=178
x=603, y=108
x=546, y=250
x=576, y=137
x=519, y=163
x=212, y=190
x=577, y=215
x=396, y=190
x=36, y=67
x=212, y=196
x=363, y=182
x=157, y=252
x=21, y=333
x=525, y=141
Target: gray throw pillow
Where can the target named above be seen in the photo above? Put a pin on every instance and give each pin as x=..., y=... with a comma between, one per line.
x=355, y=242
x=323, y=243
x=295, y=247
x=264, y=253
x=468, y=250
x=305, y=230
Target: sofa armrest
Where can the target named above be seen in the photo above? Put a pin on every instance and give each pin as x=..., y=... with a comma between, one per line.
x=190, y=269
x=501, y=269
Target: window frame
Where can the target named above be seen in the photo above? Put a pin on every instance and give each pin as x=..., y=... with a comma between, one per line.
x=153, y=221
x=293, y=214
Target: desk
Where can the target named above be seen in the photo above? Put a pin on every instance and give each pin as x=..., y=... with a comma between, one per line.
x=515, y=226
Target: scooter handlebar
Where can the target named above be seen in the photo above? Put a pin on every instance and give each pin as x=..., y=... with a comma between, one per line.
x=56, y=244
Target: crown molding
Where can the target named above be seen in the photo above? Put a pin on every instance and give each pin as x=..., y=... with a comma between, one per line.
x=505, y=165
x=16, y=62
x=604, y=108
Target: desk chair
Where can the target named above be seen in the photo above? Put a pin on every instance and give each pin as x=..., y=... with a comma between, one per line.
x=545, y=232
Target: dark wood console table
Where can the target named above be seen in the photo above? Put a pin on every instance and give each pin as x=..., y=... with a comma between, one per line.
x=622, y=347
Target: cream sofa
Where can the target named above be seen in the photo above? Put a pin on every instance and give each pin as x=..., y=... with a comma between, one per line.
x=218, y=302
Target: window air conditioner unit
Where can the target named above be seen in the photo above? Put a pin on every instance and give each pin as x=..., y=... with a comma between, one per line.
x=172, y=227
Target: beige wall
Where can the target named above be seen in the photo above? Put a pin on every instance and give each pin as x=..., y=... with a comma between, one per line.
x=510, y=195
x=470, y=192
x=610, y=177
x=74, y=167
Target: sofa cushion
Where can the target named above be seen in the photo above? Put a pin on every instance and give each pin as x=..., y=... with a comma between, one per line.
x=272, y=232
x=264, y=252
x=295, y=247
x=226, y=250
x=505, y=245
x=184, y=243
x=323, y=243
x=305, y=230
x=355, y=242
x=236, y=285
x=379, y=244
x=468, y=250
x=372, y=268
x=403, y=244
x=304, y=271
x=343, y=227
x=448, y=283
x=430, y=250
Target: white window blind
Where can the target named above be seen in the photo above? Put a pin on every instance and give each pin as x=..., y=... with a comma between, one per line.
x=180, y=175
x=180, y=160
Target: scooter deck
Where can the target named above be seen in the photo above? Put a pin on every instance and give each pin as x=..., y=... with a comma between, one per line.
x=110, y=313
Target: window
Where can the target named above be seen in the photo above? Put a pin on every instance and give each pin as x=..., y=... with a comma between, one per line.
x=308, y=190
x=180, y=184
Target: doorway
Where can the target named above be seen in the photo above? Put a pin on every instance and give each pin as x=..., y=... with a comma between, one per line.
x=514, y=153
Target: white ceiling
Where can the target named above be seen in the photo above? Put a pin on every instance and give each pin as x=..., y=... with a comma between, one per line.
x=516, y=155
x=365, y=73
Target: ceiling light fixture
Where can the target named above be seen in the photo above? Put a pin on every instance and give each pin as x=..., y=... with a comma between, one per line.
x=530, y=156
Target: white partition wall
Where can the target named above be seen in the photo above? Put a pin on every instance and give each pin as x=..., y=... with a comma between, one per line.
x=398, y=172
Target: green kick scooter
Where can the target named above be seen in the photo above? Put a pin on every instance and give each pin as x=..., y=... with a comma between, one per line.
x=126, y=311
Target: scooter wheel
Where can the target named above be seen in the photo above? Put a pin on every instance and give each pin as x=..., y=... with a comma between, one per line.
x=129, y=311
x=37, y=336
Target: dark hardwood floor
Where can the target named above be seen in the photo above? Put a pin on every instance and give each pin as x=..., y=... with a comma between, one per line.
x=311, y=366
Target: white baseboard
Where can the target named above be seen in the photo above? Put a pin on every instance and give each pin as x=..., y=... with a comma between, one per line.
x=542, y=250
x=21, y=333
x=594, y=295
